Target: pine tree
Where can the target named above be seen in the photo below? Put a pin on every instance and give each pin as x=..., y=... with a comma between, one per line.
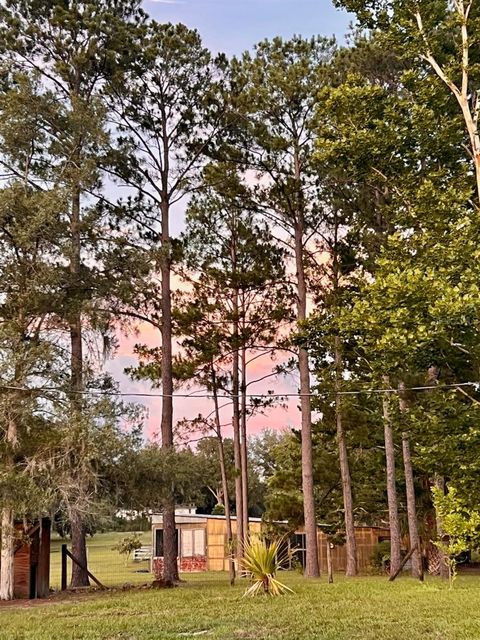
x=168, y=111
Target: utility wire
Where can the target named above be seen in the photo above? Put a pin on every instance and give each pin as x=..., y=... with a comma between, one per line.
x=127, y=394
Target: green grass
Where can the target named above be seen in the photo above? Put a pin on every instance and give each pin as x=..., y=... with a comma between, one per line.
x=106, y=564
x=366, y=608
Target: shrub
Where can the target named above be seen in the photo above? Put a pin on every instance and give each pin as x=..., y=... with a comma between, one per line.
x=127, y=545
x=261, y=560
x=380, y=558
x=218, y=510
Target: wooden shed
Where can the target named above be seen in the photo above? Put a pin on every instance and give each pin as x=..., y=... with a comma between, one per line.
x=32, y=560
x=202, y=543
x=366, y=538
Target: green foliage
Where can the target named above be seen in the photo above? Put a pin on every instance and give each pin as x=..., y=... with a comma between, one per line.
x=380, y=557
x=128, y=545
x=460, y=525
x=218, y=510
x=262, y=560
x=154, y=478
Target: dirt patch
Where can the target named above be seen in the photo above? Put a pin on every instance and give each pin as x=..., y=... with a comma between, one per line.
x=73, y=596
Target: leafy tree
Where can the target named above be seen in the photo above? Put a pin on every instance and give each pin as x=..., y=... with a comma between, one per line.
x=128, y=545
x=30, y=355
x=461, y=527
x=74, y=48
x=443, y=38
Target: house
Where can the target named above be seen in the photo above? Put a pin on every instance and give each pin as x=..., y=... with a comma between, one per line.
x=202, y=543
x=32, y=560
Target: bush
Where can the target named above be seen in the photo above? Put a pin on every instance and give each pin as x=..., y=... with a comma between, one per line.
x=127, y=545
x=218, y=510
x=380, y=558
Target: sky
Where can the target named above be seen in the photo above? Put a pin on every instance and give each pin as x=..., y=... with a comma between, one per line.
x=231, y=26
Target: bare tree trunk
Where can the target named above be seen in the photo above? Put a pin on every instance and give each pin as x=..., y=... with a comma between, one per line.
x=79, y=550
x=7, y=555
x=351, y=543
x=7, y=551
x=417, y=567
x=312, y=568
x=244, y=441
x=395, y=535
x=77, y=525
x=223, y=473
x=439, y=483
x=329, y=563
x=433, y=373
x=237, y=441
x=170, y=572
x=237, y=455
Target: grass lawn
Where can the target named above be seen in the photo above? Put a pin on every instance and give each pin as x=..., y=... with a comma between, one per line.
x=105, y=564
x=366, y=608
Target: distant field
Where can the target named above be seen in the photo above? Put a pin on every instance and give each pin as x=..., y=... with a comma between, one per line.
x=106, y=564
x=367, y=608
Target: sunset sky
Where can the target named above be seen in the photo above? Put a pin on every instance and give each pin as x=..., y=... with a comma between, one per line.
x=232, y=26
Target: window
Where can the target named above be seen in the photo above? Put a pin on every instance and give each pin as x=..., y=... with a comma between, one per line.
x=193, y=542
x=159, y=542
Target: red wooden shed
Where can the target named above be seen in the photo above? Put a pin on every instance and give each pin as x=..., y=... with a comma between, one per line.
x=32, y=560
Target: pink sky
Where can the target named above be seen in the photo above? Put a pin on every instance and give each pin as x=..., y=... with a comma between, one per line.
x=275, y=418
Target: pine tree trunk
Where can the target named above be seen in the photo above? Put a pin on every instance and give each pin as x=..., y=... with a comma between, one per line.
x=237, y=456
x=244, y=441
x=228, y=517
x=170, y=572
x=223, y=473
x=312, y=568
x=237, y=439
x=351, y=543
x=417, y=567
x=79, y=550
x=395, y=535
x=7, y=555
x=78, y=529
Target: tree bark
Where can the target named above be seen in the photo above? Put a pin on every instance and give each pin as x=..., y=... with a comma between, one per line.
x=439, y=483
x=417, y=567
x=237, y=440
x=170, y=572
x=244, y=441
x=395, y=535
x=79, y=550
x=223, y=473
x=77, y=526
x=351, y=543
x=239, y=506
x=7, y=555
x=312, y=568
x=7, y=551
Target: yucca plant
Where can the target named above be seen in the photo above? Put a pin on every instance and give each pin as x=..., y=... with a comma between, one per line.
x=261, y=561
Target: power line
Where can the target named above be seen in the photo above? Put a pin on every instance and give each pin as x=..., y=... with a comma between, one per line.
x=193, y=396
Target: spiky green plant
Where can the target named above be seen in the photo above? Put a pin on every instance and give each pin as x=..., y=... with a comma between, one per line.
x=261, y=561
